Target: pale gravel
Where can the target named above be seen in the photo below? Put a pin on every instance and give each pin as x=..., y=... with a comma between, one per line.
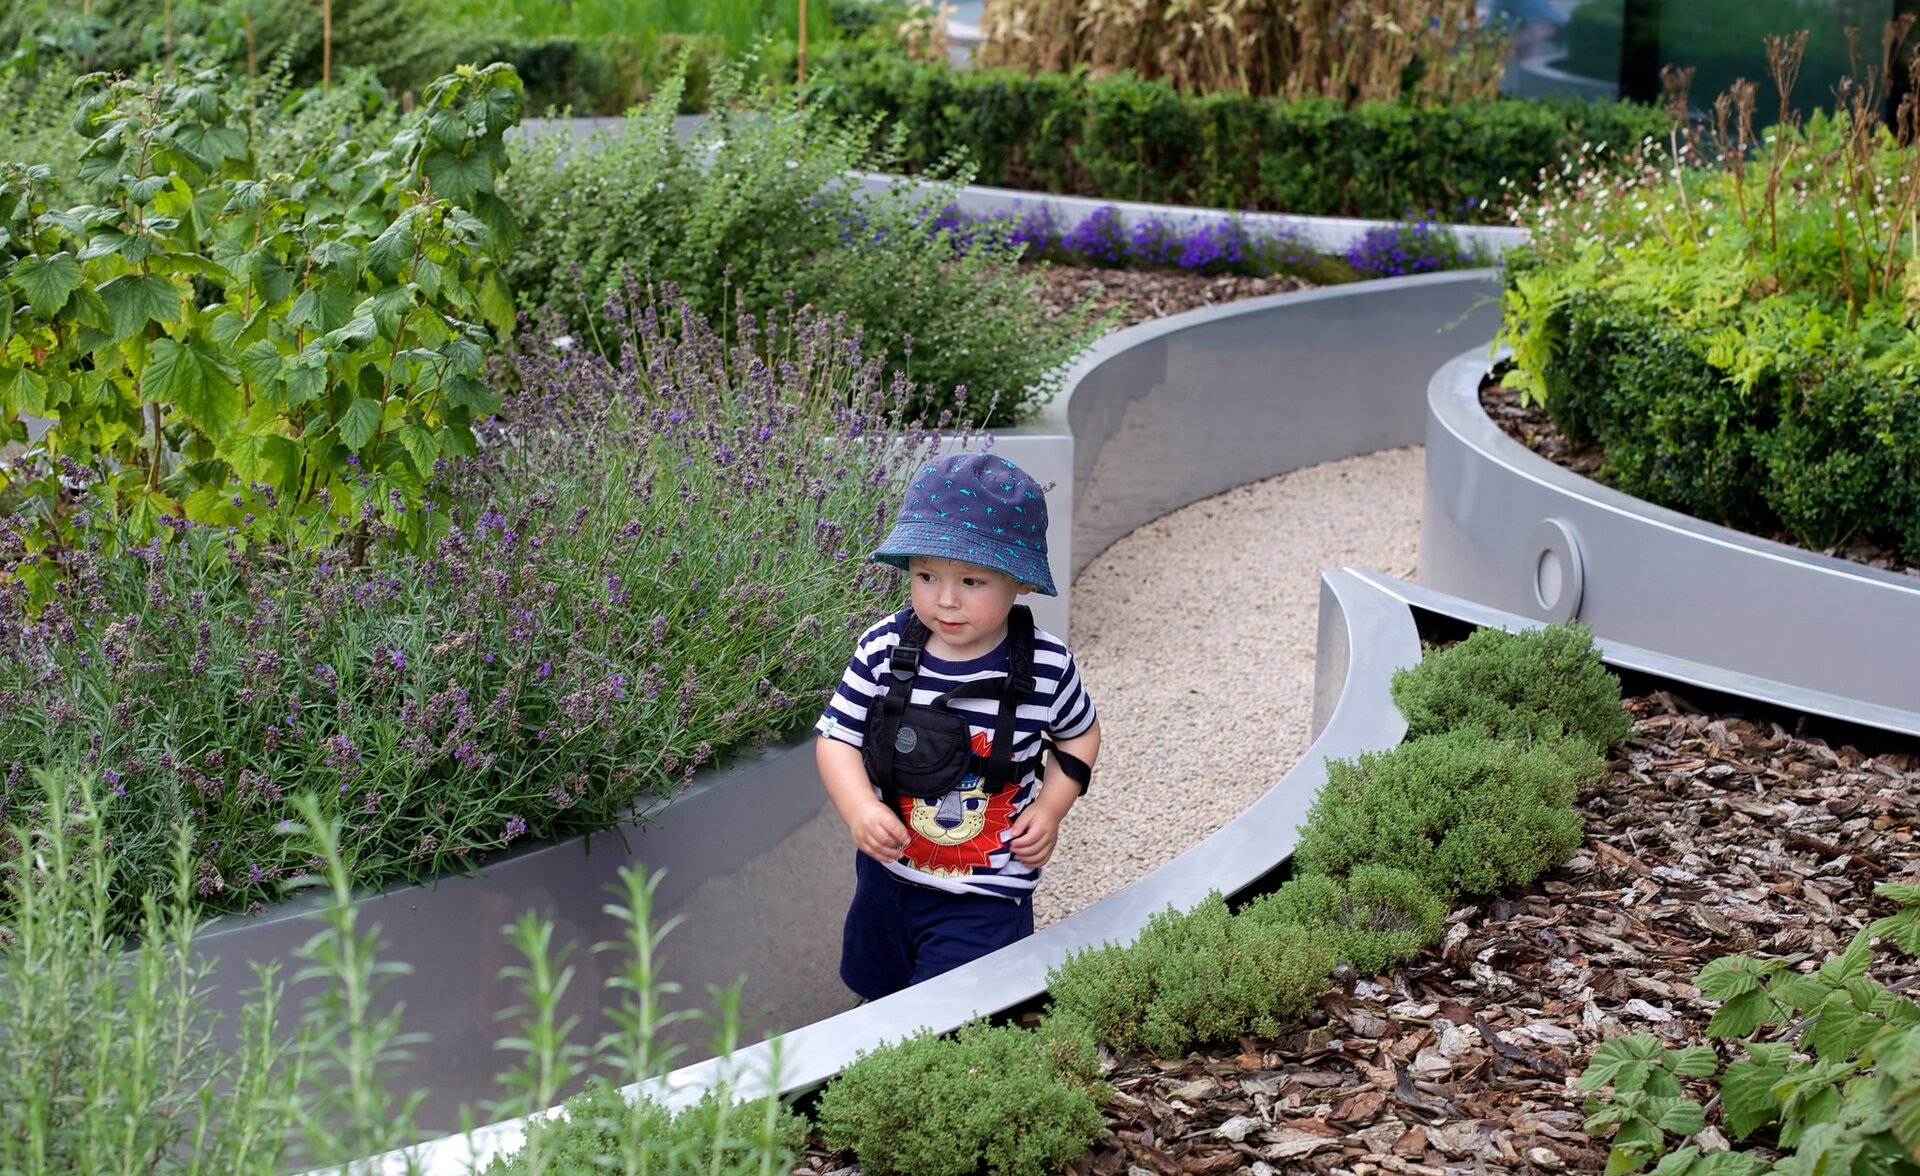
x=1195, y=636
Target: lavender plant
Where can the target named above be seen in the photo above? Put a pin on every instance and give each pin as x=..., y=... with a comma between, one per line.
x=649, y=565
x=1102, y=239
x=1418, y=245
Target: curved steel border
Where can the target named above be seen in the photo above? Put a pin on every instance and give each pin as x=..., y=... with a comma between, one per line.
x=1650, y=576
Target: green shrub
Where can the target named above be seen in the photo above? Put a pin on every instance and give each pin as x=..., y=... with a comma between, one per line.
x=1530, y=685
x=998, y=1099
x=1378, y=917
x=207, y=339
x=603, y=1131
x=1121, y=138
x=1466, y=813
x=1734, y=350
x=756, y=212
x=1193, y=977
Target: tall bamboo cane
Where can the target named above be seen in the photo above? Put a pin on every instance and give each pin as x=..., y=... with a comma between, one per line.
x=326, y=44
x=803, y=42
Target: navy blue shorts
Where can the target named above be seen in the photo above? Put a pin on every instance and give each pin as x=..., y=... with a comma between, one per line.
x=899, y=934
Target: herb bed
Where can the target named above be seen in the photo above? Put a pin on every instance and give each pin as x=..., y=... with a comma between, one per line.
x=1713, y=834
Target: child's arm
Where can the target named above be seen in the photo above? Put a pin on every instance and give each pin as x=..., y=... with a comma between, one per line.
x=877, y=832
x=1038, y=828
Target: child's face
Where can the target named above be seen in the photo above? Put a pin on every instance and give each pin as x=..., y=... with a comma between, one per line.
x=963, y=606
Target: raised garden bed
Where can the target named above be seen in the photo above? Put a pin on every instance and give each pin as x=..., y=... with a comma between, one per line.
x=1506, y=526
x=1532, y=427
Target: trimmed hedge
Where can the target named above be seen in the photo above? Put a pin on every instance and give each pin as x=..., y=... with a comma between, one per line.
x=1121, y=138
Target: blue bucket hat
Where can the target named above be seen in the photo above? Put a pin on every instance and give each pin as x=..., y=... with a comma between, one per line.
x=978, y=509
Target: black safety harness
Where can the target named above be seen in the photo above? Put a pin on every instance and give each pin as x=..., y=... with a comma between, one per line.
x=926, y=750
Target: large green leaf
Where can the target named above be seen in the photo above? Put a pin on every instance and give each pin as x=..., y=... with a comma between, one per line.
x=422, y=445
x=1747, y=1101
x=324, y=307
x=47, y=281
x=262, y=457
x=458, y=177
x=134, y=300
x=359, y=422
x=22, y=390
x=392, y=250
x=259, y=361
x=306, y=376
x=193, y=381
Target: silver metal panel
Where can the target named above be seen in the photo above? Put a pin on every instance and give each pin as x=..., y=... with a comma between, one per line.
x=757, y=865
x=1650, y=576
x=1173, y=411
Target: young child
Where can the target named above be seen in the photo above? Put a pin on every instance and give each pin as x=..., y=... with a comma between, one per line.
x=948, y=860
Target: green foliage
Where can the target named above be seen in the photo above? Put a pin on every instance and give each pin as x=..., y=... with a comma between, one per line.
x=1120, y=138
x=1198, y=976
x=1002, y=1100
x=1830, y=1068
x=116, y=1065
x=1535, y=684
x=1466, y=813
x=1735, y=348
x=400, y=39
x=1647, y=1100
x=208, y=338
x=602, y=1130
x=1380, y=916
x=112, y=1061
x=755, y=212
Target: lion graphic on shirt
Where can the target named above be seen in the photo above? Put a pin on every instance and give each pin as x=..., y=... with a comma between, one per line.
x=954, y=834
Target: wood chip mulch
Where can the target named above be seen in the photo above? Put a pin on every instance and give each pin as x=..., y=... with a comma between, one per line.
x=1530, y=426
x=1140, y=295
x=1710, y=835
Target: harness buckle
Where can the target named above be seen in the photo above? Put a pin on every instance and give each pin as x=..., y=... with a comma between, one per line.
x=905, y=661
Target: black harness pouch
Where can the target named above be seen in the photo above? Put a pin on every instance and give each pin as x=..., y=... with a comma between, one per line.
x=931, y=753
x=926, y=750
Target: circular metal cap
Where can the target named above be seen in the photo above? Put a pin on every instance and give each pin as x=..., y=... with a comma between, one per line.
x=1553, y=569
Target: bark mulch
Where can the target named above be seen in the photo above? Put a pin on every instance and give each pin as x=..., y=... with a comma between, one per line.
x=1530, y=426
x=1710, y=835
x=1141, y=295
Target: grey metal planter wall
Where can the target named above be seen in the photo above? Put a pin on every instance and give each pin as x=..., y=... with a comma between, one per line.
x=1512, y=529
x=1183, y=408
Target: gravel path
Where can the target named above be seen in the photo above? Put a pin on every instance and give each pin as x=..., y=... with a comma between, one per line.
x=1161, y=618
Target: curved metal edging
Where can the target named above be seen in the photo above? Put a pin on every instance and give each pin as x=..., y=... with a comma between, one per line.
x=1653, y=577
x=1378, y=636
x=1172, y=411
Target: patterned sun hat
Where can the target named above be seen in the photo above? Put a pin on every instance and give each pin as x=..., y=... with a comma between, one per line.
x=974, y=508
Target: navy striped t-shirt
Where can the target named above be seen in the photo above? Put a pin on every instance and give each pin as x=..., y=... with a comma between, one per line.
x=958, y=842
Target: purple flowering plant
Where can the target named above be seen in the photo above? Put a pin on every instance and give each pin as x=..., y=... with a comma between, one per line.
x=653, y=560
x=1418, y=245
x=1103, y=239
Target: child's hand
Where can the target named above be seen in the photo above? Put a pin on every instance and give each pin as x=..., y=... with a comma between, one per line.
x=878, y=833
x=1034, y=835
